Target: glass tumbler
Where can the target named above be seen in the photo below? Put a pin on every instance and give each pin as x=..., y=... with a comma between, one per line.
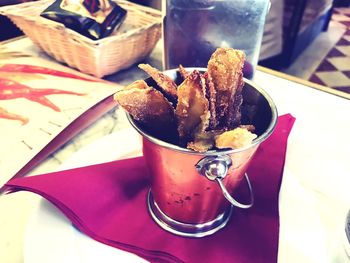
x=193, y=29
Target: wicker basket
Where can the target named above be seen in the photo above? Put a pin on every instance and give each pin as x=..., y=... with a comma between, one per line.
x=130, y=44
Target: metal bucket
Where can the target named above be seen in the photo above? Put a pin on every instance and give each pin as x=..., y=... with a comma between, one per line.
x=191, y=192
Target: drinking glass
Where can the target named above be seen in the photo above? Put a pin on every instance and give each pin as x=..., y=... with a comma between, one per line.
x=193, y=29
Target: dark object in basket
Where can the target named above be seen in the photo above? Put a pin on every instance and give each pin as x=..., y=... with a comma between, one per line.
x=94, y=19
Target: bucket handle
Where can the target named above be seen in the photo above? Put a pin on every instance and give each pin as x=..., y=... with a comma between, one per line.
x=215, y=168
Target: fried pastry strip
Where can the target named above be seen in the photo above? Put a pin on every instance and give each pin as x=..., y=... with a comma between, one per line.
x=211, y=96
x=248, y=127
x=192, y=110
x=204, y=141
x=225, y=68
x=147, y=105
x=167, y=85
x=183, y=72
x=235, y=139
x=234, y=113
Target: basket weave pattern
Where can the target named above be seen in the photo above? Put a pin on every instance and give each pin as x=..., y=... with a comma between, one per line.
x=132, y=42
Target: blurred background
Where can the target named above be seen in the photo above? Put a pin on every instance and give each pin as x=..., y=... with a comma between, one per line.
x=309, y=39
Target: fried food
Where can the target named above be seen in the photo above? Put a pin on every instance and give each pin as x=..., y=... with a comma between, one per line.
x=248, y=127
x=202, y=113
x=225, y=68
x=147, y=105
x=204, y=141
x=235, y=139
x=183, y=72
x=211, y=96
x=168, y=86
x=234, y=114
x=202, y=144
x=192, y=110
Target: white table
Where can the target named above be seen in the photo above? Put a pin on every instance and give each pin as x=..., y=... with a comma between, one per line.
x=315, y=190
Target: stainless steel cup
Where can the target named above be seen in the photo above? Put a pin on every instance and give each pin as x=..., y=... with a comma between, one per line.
x=191, y=192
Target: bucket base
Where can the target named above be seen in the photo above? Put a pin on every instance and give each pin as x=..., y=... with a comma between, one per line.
x=185, y=229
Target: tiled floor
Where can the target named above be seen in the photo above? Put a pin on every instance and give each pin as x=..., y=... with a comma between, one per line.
x=327, y=60
x=334, y=71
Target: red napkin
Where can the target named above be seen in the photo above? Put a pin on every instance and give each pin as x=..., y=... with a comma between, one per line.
x=108, y=203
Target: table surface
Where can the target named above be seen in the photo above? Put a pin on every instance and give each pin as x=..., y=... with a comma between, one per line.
x=317, y=159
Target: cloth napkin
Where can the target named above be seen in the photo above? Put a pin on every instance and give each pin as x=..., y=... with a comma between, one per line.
x=108, y=203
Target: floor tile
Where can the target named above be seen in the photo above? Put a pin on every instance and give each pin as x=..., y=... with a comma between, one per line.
x=339, y=24
x=342, y=10
x=326, y=66
x=347, y=73
x=335, y=53
x=344, y=89
x=345, y=50
x=346, y=23
x=327, y=59
x=341, y=63
x=316, y=79
x=345, y=10
x=333, y=79
x=342, y=42
x=314, y=54
x=340, y=17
